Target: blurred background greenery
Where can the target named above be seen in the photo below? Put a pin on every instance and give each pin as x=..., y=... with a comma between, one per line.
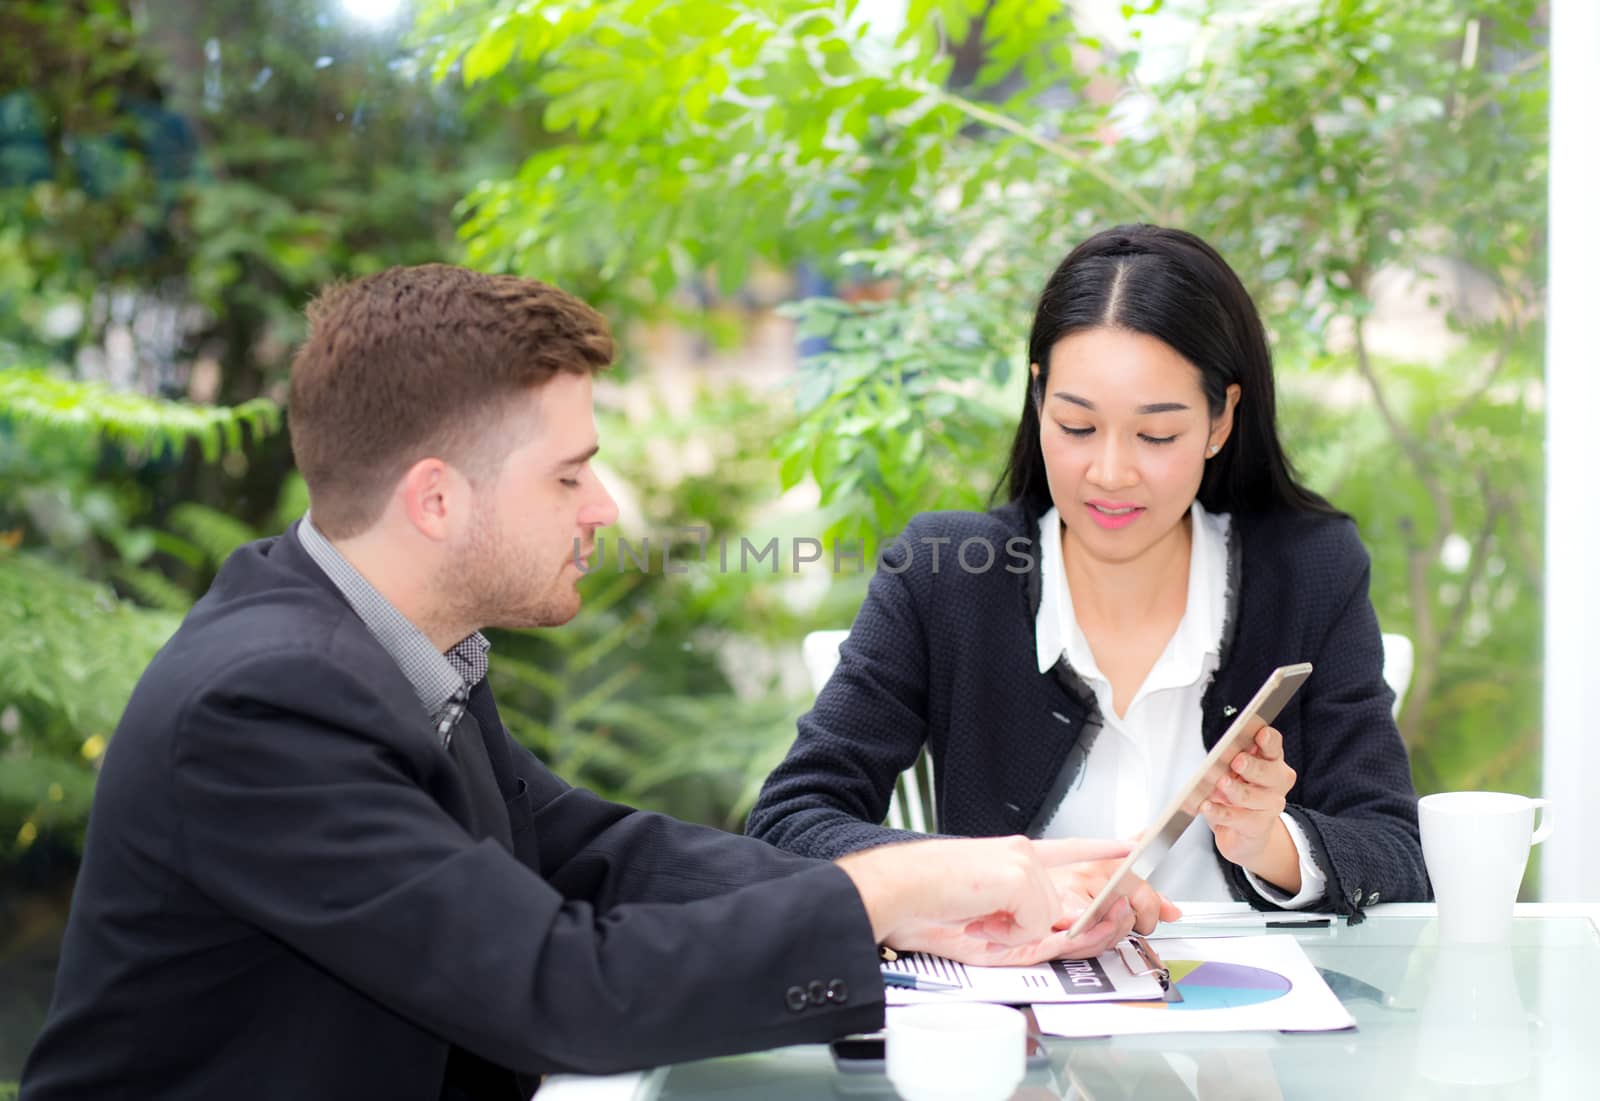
x=818, y=228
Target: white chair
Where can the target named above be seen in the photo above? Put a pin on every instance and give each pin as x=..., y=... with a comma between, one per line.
x=911, y=807
x=1398, y=660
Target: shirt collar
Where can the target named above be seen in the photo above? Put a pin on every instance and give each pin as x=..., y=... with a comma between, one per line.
x=436, y=677
x=1199, y=632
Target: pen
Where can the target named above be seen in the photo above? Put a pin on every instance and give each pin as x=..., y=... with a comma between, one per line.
x=914, y=982
x=1270, y=921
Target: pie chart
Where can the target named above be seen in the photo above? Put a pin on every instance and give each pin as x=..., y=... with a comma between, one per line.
x=1207, y=984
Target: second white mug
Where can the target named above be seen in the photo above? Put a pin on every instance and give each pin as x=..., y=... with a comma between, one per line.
x=1476, y=847
x=955, y=1051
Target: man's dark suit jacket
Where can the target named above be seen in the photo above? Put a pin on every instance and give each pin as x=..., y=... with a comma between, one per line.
x=289, y=889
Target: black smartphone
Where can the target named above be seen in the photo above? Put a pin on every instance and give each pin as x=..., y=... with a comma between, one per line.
x=864, y=1054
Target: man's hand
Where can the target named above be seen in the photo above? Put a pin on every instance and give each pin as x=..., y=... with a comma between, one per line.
x=1080, y=883
x=957, y=943
x=1245, y=811
x=977, y=899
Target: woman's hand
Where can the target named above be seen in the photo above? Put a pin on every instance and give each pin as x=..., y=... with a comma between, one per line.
x=1245, y=811
x=1078, y=884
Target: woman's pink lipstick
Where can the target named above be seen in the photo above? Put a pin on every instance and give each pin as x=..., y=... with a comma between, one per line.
x=1113, y=514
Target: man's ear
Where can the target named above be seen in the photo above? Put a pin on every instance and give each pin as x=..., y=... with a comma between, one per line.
x=433, y=497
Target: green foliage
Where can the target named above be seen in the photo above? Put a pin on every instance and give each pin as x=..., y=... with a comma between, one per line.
x=1336, y=148
x=73, y=652
x=215, y=535
x=64, y=442
x=304, y=150
x=176, y=180
x=620, y=704
x=48, y=404
x=196, y=537
x=705, y=134
x=74, y=649
x=948, y=164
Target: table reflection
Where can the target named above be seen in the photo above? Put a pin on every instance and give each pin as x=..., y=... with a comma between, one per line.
x=1475, y=1029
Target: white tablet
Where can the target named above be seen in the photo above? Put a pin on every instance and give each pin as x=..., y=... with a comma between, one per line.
x=1185, y=805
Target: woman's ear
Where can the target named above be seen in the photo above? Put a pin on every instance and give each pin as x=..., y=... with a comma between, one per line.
x=1222, y=426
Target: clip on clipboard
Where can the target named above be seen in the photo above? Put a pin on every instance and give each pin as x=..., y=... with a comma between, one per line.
x=1149, y=963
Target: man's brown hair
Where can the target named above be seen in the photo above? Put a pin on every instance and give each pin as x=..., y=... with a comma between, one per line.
x=413, y=362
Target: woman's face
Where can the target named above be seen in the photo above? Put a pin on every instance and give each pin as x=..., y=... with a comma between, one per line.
x=1126, y=432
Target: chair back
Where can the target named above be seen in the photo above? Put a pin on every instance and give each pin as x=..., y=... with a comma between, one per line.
x=1399, y=658
x=911, y=805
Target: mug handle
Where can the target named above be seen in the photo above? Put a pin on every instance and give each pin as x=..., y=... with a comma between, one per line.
x=1546, y=825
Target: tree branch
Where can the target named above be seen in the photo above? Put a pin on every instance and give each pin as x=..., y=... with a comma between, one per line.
x=1404, y=437
x=1481, y=387
x=1475, y=566
x=1011, y=126
x=1532, y=61
x=1425, y=635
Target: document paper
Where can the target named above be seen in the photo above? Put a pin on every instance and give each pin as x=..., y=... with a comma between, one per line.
x=1226, y=984
x=1108, y=977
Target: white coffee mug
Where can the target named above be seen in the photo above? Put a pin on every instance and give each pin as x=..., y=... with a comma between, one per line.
x=1476, y=847
x=955, y=1051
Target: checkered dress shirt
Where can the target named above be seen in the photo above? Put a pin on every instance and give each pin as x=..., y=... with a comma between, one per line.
x=441, y=681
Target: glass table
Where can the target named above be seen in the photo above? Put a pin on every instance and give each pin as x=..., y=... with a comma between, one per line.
x=1522, y=1020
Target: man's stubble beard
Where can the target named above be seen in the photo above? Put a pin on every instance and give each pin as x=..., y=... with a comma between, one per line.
x=498, y=587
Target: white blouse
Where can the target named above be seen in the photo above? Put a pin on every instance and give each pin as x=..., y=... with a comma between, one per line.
x=1124, y=773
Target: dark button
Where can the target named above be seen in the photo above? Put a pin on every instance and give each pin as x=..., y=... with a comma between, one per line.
x=794, y=998
x=838, y=992
x=816, y=993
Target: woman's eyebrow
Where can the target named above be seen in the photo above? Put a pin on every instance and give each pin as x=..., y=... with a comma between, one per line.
x=1163, y=407
x=1153, y=407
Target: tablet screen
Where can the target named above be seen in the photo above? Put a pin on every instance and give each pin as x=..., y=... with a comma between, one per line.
x=1158, y=840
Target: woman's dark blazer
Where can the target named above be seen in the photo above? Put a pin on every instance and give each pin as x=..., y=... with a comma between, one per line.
x=942, y=654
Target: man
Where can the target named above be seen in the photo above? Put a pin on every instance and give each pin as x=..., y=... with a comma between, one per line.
x=317, y=866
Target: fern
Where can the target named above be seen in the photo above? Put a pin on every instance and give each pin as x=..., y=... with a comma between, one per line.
x=294, y=499
x=214, y=533
x=73, y=650
x=73, y=654
x=152, y=588
x=77, y=410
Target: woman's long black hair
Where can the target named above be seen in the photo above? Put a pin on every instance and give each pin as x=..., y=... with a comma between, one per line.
x=1171, y=285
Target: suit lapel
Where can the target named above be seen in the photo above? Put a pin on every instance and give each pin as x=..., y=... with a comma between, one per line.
x=487, y=805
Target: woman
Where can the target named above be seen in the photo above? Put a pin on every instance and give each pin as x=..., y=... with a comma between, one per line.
x=1068, y=659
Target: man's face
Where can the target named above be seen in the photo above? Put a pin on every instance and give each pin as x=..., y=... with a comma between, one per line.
x=517, y=568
